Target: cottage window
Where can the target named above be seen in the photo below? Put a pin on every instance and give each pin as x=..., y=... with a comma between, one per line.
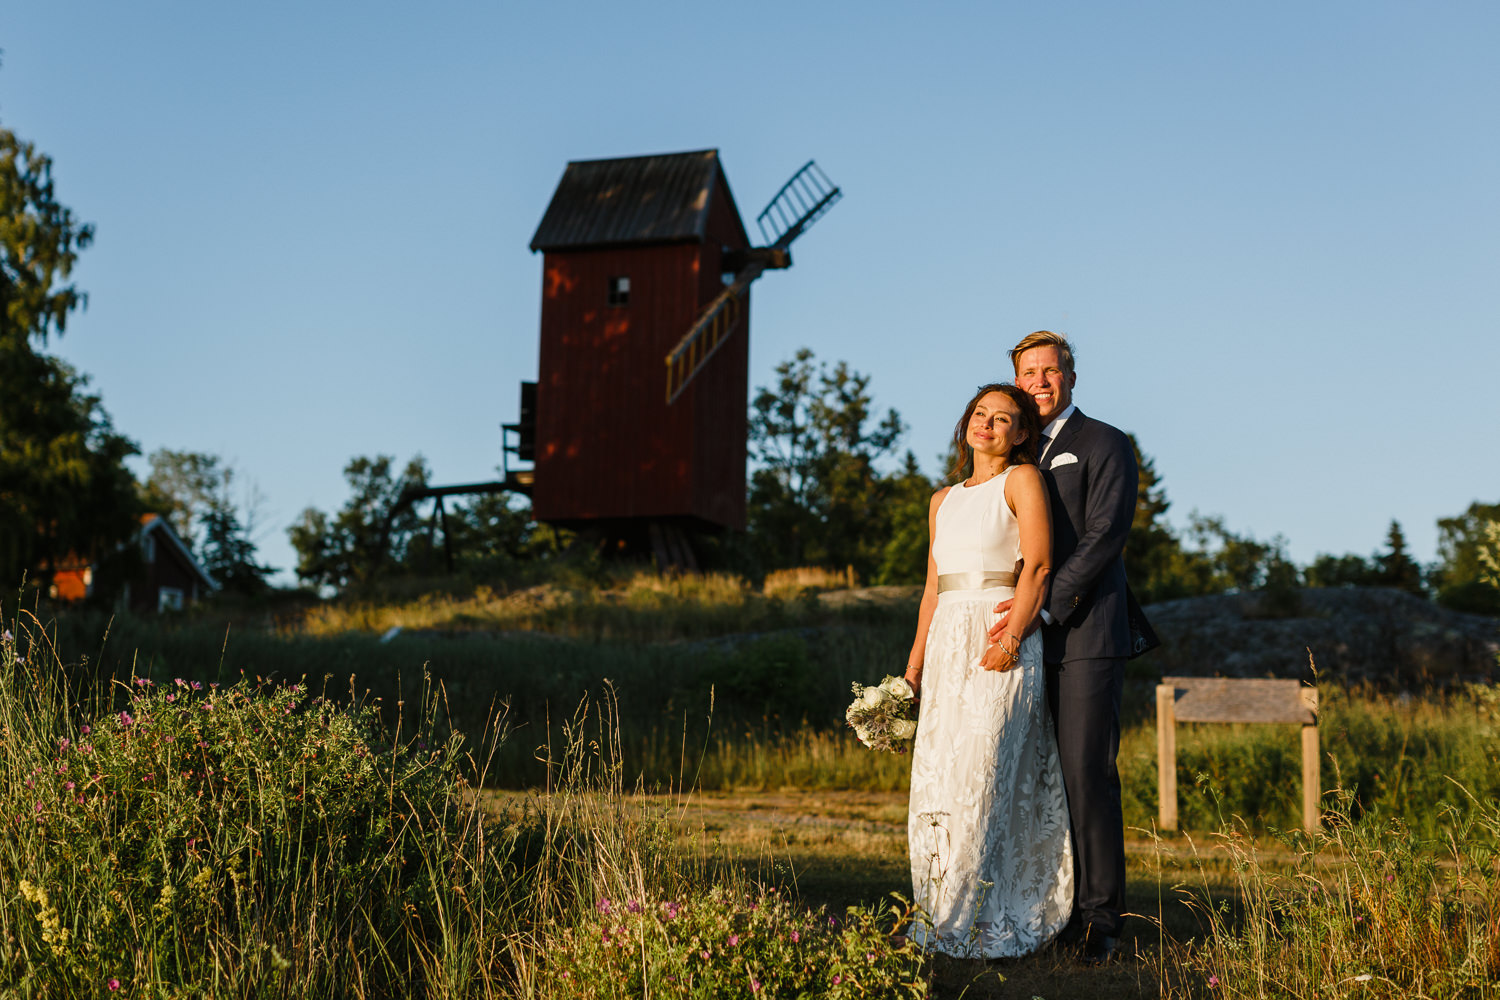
x=169, y=599
x=619, y=291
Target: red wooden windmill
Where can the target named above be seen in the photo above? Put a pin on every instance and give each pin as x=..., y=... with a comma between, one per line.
x=636, y=423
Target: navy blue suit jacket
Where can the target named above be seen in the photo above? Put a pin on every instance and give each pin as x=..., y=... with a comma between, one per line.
x=1093, y=502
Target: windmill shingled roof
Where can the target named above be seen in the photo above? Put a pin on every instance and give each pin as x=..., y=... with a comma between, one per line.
x=637, y=199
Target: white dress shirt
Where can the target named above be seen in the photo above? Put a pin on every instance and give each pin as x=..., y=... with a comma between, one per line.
x=1053, y=429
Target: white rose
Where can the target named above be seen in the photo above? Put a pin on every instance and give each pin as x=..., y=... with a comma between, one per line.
x=874, y=696
x=863, y=734
x=897, y=687
x=903, y=729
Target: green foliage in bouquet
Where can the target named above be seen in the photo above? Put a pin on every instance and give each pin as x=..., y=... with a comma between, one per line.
x=884, y=716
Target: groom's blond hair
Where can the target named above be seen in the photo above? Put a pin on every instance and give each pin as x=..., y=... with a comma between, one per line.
x=1045, y=338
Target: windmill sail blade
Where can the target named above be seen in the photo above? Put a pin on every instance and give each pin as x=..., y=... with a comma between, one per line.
x=800, y=202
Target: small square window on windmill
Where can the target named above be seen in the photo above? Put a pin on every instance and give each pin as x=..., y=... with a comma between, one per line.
x=619, y=291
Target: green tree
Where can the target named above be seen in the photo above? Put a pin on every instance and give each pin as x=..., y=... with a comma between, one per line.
x=1395, y=568
x=194, y=491
x=1157, y=565
x=1460, y=576
x=816, y=497
x=903, y=559
x=182, y=487
x=375, y=530
x=64, y=488
x=1347, y=570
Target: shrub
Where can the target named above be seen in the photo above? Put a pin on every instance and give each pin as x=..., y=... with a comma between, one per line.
x=241, y=840
x=723, y=944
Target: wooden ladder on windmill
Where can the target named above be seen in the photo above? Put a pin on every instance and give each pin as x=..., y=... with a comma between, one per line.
x=803, y=200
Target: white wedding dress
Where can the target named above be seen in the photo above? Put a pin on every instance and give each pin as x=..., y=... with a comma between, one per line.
x=991, y=858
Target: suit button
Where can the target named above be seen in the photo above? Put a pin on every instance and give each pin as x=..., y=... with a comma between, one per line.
x=1075, y=600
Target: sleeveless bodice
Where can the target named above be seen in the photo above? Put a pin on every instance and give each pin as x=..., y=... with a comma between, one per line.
x=976, y=531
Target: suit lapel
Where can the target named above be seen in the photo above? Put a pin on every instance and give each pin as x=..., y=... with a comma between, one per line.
x=1065, y=437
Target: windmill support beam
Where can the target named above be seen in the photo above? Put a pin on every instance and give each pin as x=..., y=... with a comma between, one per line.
x=769, y=259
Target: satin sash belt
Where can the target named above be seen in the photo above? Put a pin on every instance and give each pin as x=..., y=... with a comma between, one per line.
x=977, y=580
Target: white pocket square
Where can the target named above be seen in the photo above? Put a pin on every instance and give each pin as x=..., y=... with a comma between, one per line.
x=1066, y=458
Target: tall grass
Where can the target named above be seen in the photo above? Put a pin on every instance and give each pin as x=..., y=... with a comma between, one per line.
x=644, y=607
x=248, y=840
x=1365, y=909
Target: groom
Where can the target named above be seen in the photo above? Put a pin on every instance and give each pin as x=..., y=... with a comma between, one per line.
x=1091, y=475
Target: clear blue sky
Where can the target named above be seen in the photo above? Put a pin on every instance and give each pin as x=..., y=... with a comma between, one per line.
x=1272, y=229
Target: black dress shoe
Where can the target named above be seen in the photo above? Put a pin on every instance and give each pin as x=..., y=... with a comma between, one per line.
x=1097, y=948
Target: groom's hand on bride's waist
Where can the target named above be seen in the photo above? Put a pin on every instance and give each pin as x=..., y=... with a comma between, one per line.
x=1003, y=610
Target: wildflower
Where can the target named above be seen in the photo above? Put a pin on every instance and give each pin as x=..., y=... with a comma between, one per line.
x=126, y=719
x=171, y=697
x=754, y=985
x=703, y=955
x=197, y=686
x=68, y=785
x=113, y=984
x=1213, y=980
x=837, y=979
x=86, y=730
x=672, y=911
x=605, y=907
x=734, y=939
x=796, y=937
x=633, y=906
x=141, y=682
x=179, y=682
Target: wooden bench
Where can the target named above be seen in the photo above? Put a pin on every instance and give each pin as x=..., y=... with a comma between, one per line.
x=1219, y=699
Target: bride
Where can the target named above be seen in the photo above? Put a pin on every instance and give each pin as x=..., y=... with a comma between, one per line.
x=991, y=859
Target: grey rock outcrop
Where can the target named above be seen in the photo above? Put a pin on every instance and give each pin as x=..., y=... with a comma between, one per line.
x=1355, y=634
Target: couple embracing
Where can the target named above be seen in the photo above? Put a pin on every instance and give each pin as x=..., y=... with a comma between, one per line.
x=1015, y=826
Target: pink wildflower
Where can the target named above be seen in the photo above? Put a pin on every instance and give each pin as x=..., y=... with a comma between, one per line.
x=633, y=906
x=126, y=719
x=86, y=730
x=1213, y=980
x=605, y=907
x=113, y=984
x=796, y=937
x=734, y=939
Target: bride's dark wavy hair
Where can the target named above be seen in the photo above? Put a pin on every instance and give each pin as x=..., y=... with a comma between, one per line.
x=1031, y=423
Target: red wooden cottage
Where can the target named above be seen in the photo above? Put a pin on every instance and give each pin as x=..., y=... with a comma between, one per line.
x=165, y=577
x=637, y=426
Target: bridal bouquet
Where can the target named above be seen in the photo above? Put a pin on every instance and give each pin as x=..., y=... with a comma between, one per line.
x=884, y=716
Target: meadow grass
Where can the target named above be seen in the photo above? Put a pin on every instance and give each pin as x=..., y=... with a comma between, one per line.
x=641, y=607
x=764, y=710
x=1365, y=909
x=181, y=838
